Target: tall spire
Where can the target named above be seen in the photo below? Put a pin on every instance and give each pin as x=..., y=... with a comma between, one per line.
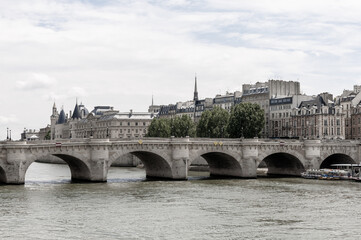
x=195, y=96
x=152, y=100
x=55, y=111
x=76, y=113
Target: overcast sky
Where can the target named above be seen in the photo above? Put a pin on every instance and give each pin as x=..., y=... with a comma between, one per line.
x=120, y=53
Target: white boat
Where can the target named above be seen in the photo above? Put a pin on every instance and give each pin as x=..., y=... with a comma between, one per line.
x=327, y=174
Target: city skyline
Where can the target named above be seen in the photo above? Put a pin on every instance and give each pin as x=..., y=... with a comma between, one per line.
x=122, y=53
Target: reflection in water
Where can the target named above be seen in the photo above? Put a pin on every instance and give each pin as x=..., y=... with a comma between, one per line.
x=48, y=206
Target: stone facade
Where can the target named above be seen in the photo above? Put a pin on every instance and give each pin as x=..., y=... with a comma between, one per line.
x=102, y=123
x=317, y=119
x=170, y=158
x=262, y=93
x=281, y=115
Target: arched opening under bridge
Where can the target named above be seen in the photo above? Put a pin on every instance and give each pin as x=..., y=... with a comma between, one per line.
x=2, y=175
x=75, y=169
x=282, y=164
x=222, y=165
x=338, y=158
x=155, y=166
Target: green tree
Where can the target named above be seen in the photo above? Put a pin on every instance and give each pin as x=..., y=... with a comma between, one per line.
x=47, y=136
x=183, y=126
x=159, y=127
x=247, y=120
x=213, y=123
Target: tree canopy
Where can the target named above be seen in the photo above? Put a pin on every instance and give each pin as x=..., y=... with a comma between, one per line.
x=178, y=127
x=159, y=127
x=183, y=126
x=246, y=120
x=213, y=124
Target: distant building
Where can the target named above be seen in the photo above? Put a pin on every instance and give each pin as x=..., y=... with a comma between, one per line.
x=318, y=118
x=281, y=114
x=30, y=135
x=194, y=108
x=227, y=101
x=357, y=88
x=262, y=92
x=102, y=122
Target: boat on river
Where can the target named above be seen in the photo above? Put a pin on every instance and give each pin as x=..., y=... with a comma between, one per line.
x=337, y=172
x=327, y=174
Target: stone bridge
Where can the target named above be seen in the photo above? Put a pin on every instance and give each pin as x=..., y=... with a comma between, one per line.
x=170, y=158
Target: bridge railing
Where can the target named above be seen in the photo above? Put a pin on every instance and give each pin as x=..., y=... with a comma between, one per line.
x=173, y=139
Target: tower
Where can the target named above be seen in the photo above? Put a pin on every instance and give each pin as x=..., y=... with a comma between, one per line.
x=195, y=96
x=53, y=119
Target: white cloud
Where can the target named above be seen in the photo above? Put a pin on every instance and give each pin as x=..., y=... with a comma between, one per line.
x=36, y=81
x=120, y=53
x=8, y=119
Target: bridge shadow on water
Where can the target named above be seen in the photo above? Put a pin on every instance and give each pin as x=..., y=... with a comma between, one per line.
x=44, y=173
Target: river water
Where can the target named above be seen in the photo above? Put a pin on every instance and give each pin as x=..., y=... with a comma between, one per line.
x=49, y=206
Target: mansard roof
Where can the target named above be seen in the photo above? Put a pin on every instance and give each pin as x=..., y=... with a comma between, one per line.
x=318, y=102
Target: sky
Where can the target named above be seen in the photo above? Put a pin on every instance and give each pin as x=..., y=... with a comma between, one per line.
x=121, y=53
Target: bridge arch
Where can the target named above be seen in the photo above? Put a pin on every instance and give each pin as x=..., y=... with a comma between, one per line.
x=155, y=165
x=283, y=163
x=221, y=163
x=2, y=175
x=79, y=170
x=336, y=158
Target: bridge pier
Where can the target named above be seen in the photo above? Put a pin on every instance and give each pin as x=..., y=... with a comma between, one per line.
x=14, y=166
x=99, y=161
x=312, y=154
x=180, y=158
x=249, y=157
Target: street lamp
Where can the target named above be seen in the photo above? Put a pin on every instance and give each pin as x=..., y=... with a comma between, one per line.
x=7, y=134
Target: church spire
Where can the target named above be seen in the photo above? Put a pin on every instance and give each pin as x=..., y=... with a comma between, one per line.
x=195, y=96
x=55, y=111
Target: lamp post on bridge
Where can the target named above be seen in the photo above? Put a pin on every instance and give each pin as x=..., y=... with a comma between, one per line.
x=24, y=138
x=7, y=134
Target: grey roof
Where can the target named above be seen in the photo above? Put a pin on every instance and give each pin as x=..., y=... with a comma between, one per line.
x=76, y=113
x=83, y=110
x=318, y=102
x=99, y=110
x=61, y=118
